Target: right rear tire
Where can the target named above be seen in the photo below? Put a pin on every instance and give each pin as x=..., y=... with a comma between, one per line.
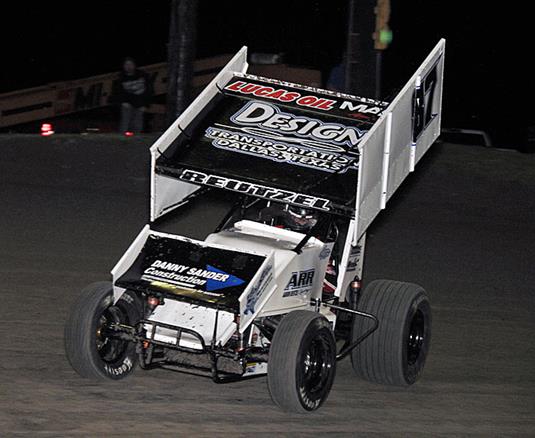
x=395, y=353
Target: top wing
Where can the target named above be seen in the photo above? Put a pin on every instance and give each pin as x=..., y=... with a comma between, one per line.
x=298, y=145
x=269, y=139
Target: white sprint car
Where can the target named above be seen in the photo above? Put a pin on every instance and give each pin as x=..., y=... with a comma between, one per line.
x=276, y=288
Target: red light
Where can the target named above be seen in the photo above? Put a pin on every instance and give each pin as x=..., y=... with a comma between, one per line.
x=153, y=301
x=47, y=129
x=129, y=133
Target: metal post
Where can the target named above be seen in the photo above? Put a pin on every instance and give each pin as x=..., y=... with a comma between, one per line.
x=360, y=53
x=181, y=54
x=368, y=20
x=378, y=73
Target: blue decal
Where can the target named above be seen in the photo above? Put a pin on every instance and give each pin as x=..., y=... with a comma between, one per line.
x=257, y=290
x=213, y=284
x=325, y=252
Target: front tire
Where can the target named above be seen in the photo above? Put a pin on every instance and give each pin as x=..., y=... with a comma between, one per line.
x=395, y=353
x=92, y=353
x=302, y=362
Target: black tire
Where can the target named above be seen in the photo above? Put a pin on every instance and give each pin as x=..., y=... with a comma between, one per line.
x=395, y=353
x=90, y=353
x=296, y=384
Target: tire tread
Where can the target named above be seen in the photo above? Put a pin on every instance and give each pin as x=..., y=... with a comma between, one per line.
x=378, y=358
x=282, y=363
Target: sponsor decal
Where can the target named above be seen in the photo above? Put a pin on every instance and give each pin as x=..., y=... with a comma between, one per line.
x=282, y=95
x=300, y=283
x=209, y=279
x=325, y=252
x=353, y=259
x=123, y=368
x=256, y=368
x=311, y=404
x=352, y=264
x=301, y=95
x=250, y=367
x=422, y=103
x=359, y=107
x=271, y=118
x=278, y=151
x=262, y=130
x=258, y=289
x=235, y=185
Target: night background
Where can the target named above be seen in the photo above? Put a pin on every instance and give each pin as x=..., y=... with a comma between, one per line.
x=49, y=43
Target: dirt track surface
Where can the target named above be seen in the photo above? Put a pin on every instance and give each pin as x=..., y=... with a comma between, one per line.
x=463, y=226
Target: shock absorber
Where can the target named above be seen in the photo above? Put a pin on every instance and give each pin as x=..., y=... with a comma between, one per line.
x=354, y=289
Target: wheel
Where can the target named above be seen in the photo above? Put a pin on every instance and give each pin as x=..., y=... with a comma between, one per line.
x=395, y=353
x=302, y=361
x=90, y=352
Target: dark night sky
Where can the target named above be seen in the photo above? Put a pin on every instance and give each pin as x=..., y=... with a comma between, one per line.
x=81, y=42
x=48, y=42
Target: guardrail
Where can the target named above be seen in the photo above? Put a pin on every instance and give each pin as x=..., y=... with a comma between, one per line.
x=61, y=98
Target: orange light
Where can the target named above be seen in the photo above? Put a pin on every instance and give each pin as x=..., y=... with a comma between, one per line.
x=355, y=285
x=47, y=129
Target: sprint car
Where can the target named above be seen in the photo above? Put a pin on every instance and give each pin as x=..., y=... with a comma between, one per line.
x=256, y=296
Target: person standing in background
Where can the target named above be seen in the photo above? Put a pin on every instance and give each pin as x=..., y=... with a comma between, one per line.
x=133, y=93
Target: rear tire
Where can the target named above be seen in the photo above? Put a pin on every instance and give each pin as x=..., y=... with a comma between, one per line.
x=302, y=362
x=91, y=353
x=395, y=353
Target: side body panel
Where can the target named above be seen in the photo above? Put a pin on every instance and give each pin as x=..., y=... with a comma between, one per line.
x=297, y=277
x=393, y=146
x=165, y=191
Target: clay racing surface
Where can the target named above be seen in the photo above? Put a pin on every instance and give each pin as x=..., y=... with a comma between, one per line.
x=462, y=226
